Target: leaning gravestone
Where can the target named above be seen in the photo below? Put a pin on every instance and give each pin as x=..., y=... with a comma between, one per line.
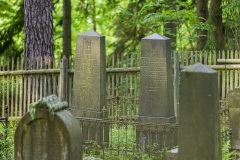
x=199, y=122
x=89, y=85
x=156, y=82
x=48, y=132
x=233, y=100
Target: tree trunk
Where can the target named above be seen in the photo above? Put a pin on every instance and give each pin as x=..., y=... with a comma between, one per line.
x=202, y=14
x=218, y=29
x=170, y=27
x=38, y=26
x=67, y=48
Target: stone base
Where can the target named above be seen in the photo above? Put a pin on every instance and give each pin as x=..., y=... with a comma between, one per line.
x=157, y=120
x=157, y=131
x=94, y=131
x=172, y=154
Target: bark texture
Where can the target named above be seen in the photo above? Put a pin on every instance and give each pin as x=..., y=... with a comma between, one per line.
x=38, y=26
x=67, y=48
x=216, y=19
x=170, y=28
x=202, y=14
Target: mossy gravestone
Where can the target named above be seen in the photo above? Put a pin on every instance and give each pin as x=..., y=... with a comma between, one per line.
x=48, y=132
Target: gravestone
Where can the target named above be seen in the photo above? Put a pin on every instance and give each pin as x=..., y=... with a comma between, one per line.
x=48, y=132
x=233, y=100
x=199, y=122
x=89, y=85
x=156, y=83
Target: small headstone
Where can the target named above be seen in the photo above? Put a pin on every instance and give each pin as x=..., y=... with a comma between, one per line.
x=199, y=122
x=233, y=100
x=48, y=132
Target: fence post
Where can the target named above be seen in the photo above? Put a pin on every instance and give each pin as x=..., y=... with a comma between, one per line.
x=63, y=91
x=199, y=122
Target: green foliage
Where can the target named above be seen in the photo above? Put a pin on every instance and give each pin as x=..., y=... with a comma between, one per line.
x=7, y=140
x=11, y=27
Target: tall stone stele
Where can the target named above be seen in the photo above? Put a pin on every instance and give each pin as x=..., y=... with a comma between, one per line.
x=199, y=122
x=89, y=84
x=156, y=81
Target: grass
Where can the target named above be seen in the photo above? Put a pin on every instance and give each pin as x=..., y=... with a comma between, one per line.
x=123, y=141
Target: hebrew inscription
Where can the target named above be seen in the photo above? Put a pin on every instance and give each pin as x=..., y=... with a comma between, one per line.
x=89, y=73
x=156, y=94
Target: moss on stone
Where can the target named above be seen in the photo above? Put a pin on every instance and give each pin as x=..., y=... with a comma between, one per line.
x=51, y=103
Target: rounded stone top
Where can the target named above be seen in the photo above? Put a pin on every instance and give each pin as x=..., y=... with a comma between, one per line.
x=200, y=68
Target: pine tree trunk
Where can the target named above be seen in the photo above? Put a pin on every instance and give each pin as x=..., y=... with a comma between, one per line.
x=67, y=48
x=38, y=27
x=216, y=19
x=202, y=14
x=170, y=28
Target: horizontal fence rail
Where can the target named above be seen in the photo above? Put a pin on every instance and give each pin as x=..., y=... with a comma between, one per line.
x=123, y=78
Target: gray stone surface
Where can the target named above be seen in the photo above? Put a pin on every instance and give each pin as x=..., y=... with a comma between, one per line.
x=89, y=84
x=48, y=135
x=156, y=93
x=233, y=99
x=199, y=123
x=156, y=79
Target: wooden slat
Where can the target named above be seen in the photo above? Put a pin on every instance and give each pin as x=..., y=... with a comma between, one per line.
x=25, y=88
x=205, y=58
x=12, y=88
x=21, y=90
x=131, y=87
x=8, y=79
x=223, y=78
x=41, y=78
x=135, y=87
x=16, y=96
x=3, y=90
x=236, y=76
x=126, y=89
x=192, y=58
x=231, y=74
x=187, y=64
x=201, y=56
x=49, y=76
x=33, y=82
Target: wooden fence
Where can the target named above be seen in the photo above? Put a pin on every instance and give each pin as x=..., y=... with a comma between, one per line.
x=122, y=79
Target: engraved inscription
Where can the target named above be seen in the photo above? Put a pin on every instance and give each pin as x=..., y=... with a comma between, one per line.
x=87, y=75
x=154, y=70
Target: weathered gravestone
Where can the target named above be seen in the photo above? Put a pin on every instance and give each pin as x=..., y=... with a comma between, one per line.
x=89, y=86
x=48, y=132
x=233, y=100
x=156, y=83
x=199, y=122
